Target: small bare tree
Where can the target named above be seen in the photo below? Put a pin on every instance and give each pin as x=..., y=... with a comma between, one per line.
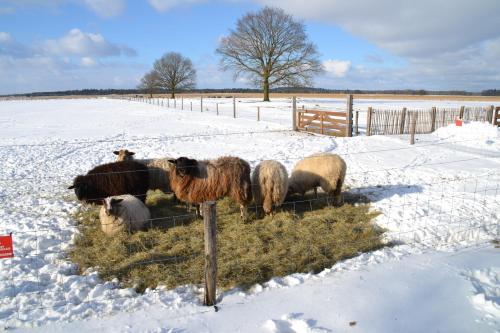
x=174, y=72
x=270, y=48
x=149, y=83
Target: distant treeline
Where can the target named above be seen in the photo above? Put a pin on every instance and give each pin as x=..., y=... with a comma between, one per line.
x=421, y=92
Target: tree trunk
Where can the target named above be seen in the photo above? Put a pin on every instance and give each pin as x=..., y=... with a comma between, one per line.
x=172, y=95
x=265, y=87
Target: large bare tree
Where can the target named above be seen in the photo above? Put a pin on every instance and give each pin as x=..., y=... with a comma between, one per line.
x=270, y=48
x=149, y=83
x=174, y=72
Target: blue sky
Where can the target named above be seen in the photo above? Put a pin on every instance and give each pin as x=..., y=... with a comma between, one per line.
x=73, y=44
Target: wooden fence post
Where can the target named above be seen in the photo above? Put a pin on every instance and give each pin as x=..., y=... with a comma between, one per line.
x=403, y=119
x=356, y=123
x=234, y=107
x=294, y=113
x=175, y=103
x=182, y=103
x=168, y=102
x=495, y=117
x=369, y=122
x=349, y=115
x=258, y=113
x=210, y=230
x=217, y=108
x=433, y=119
x=191, y=105
x=461, y=114
x=489, y=114
x=443, y=118
x=413, y=126
x=201, y=104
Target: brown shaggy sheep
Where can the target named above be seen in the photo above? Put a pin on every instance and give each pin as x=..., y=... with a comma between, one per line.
x=198, y=181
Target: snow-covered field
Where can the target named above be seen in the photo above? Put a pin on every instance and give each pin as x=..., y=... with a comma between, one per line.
x=440, y=201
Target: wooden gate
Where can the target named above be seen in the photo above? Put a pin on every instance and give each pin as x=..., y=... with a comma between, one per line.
x=324, y=122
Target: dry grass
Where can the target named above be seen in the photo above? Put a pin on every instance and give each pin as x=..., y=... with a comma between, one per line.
x=310, y=238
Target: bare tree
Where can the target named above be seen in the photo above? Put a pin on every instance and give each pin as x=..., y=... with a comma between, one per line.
x=174, y=72
x=270, y=48
x=149, y=83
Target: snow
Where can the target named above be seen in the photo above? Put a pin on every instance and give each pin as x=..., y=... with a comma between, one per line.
x=439, y=201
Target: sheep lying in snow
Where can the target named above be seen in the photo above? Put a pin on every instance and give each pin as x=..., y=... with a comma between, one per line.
x=269, y=184
x=123, y=212
x=127, y=177
x=198, y=181
x=159, y=169
x=325, y=170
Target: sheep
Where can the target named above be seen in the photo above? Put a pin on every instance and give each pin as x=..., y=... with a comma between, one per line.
x=159, y=169
x=195, y=181
x=269, y=184
x=124, y=155
x=325, y=170
x=123, y=212
x=127, y=177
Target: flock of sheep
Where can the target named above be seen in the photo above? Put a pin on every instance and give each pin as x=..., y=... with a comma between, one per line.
x=121, y=187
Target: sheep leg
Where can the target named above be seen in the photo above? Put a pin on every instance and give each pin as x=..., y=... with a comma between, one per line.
x=337, y=197
x=243, y=212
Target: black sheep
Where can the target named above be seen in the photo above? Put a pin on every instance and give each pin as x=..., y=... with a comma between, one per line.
x=126, y=177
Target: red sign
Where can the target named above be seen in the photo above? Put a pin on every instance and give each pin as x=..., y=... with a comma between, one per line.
x=458, y=122
x=6, y=248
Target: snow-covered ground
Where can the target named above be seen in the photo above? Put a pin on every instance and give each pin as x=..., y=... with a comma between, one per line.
x=440, y=201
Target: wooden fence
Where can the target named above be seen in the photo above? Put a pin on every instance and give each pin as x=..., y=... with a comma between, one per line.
x=323, y=122
x=335, y=123
x=389, y=122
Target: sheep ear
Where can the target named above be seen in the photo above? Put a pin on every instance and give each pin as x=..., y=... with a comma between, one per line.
x=117, y=200
x=71, y=187
x=130, y=153
x=173, y=161
x=116, y=152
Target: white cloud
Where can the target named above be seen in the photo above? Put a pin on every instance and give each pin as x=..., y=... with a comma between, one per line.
x=79, y=43
x=4, y=37
x=165, y=5
x=88, y=62
x=406, y=28
x=337, y=68
x=77, y=60
x=106, y=8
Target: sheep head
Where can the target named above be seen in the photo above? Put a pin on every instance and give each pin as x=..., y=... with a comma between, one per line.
x=80, y=186
x=184, y=166
x=124, y=155
x=111, y=206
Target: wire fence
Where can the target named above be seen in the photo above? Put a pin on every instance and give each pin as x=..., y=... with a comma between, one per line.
x=454, y=212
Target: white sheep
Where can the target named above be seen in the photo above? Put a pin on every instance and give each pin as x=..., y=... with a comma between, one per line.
x=325, y=170
x=123, y=212
x=269, y=184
